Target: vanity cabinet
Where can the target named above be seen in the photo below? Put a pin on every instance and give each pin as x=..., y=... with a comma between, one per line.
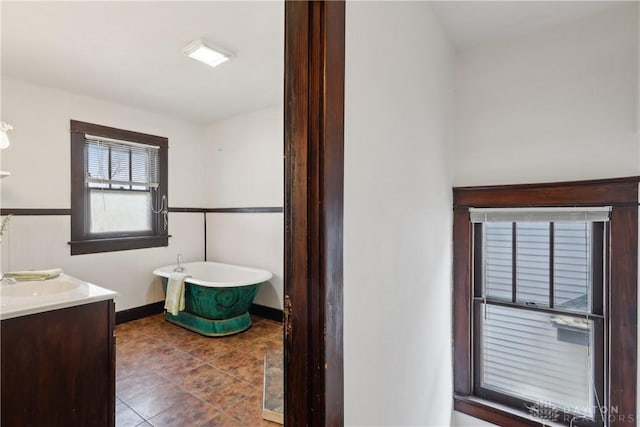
x=58, y=367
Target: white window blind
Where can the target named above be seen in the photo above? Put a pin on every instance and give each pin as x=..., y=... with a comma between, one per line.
x=592, y=214
x=123, y=165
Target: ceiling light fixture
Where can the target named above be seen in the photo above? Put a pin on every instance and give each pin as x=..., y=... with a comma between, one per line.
x=4, y=139
x=198, y=50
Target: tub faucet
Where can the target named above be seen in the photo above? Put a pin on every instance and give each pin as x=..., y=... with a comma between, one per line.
x=179, y=268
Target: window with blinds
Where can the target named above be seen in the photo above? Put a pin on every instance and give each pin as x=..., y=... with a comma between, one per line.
x=121, y=179
x=538, y=329
x=119, y=189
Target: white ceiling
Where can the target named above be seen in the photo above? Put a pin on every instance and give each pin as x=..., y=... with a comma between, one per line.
x=131, y=53
x=471, y=23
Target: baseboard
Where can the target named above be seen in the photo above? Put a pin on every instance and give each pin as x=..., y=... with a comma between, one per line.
x=266, y=312
x=158, y=307
x=139, y=312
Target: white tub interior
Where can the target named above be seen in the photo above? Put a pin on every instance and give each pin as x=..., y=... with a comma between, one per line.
x=215, y=274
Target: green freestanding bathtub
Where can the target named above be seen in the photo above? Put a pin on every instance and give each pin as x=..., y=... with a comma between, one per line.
x=217, y=296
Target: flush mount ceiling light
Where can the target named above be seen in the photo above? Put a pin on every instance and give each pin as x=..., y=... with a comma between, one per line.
x=198, y=50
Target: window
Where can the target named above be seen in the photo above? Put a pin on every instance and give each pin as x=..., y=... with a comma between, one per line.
x=118, y=189
x=545, y=303
x=538, y=276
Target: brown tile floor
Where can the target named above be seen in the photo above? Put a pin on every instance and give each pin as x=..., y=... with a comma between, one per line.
x=169, y=376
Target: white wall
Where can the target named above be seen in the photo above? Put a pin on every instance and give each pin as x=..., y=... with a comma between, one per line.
x=552, y=106
x=463, y=420
x=39, y=158
x=39, y=161
x=246, y=170
x=397, y=219
x=245, y=155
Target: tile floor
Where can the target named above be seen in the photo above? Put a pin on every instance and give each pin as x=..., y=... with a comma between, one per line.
x=169, y=376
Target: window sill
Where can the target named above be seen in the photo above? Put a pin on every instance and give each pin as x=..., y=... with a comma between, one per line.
x=82, y=247
x=497, y=414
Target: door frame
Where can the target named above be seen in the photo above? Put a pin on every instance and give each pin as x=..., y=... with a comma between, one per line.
x=313, y=212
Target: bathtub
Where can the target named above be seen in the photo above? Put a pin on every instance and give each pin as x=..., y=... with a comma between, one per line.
x=217, y=296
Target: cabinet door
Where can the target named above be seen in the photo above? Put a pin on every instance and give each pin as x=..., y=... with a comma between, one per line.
x=57, y=367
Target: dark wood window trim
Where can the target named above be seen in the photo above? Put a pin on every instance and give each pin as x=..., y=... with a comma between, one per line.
x=620, y=295
x=80, y=242
x=34, y=212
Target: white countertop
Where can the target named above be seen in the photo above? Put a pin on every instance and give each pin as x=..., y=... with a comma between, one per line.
x=24, y=298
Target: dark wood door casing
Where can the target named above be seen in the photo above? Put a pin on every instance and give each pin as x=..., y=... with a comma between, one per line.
x=313, y=211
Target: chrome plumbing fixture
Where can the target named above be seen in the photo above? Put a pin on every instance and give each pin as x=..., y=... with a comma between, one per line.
x=179, y=268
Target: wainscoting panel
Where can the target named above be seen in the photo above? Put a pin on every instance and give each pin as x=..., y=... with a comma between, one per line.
x=41, y=241
x=250, y=239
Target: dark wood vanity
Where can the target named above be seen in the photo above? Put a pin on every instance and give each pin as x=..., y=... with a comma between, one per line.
x=58, y=367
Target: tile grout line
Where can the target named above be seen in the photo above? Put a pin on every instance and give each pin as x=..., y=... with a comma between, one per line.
x=135, y=412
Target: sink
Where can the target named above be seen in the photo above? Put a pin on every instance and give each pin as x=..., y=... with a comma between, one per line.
x=25, y=298
x=35, y=289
